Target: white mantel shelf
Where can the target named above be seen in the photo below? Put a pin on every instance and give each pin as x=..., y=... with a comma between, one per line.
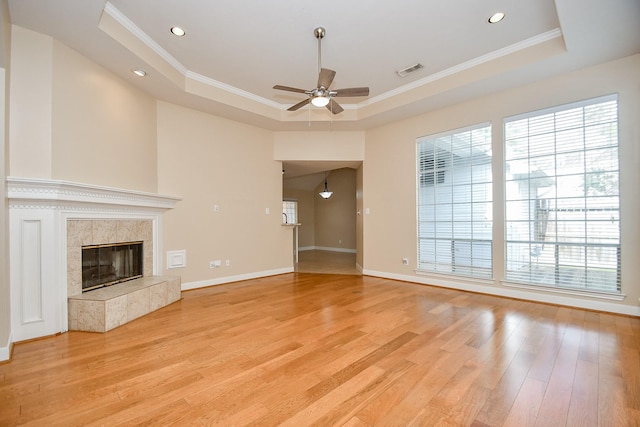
x=29, y=191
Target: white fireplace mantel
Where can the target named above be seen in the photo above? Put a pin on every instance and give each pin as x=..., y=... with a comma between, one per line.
x=43, y=192
x=38, y=213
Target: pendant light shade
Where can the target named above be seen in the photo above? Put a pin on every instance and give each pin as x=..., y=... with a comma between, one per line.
x=325, y=194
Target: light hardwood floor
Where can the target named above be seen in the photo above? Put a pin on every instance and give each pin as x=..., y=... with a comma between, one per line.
x=315, y=261
x=320, y=349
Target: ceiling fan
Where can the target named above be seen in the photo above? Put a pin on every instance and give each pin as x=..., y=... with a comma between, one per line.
x=321, y=95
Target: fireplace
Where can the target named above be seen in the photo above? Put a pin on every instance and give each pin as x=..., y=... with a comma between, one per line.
x=108, y=264
x=51, y=218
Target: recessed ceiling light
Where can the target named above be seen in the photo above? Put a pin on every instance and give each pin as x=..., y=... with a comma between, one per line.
x=177, y=31
x=139, y=72
x=496, y=17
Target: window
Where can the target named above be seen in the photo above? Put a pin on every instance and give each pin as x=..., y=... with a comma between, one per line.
x=454, y=202
x=289, y=212
x=562, y=197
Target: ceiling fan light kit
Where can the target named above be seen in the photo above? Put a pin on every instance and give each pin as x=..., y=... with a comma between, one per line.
x=321, y=95
x=320, y=101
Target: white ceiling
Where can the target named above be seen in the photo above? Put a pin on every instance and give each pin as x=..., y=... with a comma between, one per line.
x=235, y=51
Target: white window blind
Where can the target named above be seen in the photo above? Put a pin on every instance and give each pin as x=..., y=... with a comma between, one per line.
x=289, y=212
x=562, y=196
x=454, y=202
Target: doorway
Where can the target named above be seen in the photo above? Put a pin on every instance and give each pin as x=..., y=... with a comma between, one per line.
x=326, y=237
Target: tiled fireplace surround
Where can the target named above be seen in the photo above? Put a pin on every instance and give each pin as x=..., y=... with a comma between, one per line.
x=50, y=221
x=95, y=232
x=103, y=309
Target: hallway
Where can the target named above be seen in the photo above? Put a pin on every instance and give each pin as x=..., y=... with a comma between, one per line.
x=316, y=261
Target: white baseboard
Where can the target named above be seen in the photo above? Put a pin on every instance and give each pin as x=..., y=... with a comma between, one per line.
x=502, y=291
x=5, y=350
x=325, y=248
x=228, y=279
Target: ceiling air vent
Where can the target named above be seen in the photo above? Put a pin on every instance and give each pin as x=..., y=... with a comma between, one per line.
x=406, y=71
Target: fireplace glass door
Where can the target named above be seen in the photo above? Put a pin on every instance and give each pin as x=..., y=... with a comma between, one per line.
x=104, y=265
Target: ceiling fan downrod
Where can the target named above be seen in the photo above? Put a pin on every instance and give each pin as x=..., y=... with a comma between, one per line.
x=319, y=32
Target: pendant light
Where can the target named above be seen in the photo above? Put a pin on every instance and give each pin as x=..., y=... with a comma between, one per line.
x=325, y=194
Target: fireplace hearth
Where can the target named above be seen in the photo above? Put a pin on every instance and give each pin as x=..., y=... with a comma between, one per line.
x=108, y=264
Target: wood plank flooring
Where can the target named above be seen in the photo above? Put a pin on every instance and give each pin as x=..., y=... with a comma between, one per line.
x=316, y=261
x=320, y=349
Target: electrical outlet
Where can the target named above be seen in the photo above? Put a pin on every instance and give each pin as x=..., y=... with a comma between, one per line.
x=267, y=211
x=216, y=208
x=405, y=261
x=217, y=263
x=227, y=262
x=212, y=264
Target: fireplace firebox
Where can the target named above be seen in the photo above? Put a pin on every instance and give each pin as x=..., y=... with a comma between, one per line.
x=108, y=264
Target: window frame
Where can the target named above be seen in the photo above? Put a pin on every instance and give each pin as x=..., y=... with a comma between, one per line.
x=562, y=270
x=475, y=253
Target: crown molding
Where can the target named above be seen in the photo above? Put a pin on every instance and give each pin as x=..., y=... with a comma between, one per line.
x=491, y=56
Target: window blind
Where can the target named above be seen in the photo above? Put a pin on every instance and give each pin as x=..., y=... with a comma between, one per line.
x=455, y=202
x=562, y=196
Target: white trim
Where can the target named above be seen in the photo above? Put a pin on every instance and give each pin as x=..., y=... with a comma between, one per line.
x=5, y=350
x=232, y=89
x=229, y=279
x=326, y=248
x=137, y=32
x=445, y=277
x=29, y=192
x=577, y=292
x=528, y=295
x=144, y=38
x=491, y=56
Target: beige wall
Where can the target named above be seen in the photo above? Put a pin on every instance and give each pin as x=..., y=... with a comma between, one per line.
x=339, y=146
x=328, y=223
x=389, y=170
x=30, y=104
x=104, y=129
x=335, y=218
x=72, y=120
x=210, y=161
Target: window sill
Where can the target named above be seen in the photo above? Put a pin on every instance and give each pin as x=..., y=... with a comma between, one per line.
x=566, y=291
x=455, y=277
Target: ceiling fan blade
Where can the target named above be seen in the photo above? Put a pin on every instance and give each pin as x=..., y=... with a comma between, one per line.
x=325, y=77
x=289, y=89
x=334, y=107
x=351, y=91
x=299, y=105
